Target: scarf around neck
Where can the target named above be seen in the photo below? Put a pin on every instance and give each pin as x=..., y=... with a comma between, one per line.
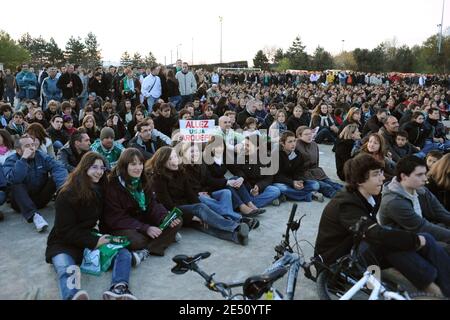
x=138, y=194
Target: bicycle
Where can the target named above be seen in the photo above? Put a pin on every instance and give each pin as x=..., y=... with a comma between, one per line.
x=343, y=279
x=254, y=287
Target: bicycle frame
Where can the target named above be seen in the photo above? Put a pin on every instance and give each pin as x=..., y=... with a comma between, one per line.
x=378, y=289
x=292, y=261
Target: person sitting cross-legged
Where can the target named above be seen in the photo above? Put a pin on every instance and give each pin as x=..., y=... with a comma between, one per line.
x=33, y=178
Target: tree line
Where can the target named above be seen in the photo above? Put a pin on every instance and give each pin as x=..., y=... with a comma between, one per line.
x=385, y=57
x=38, y=52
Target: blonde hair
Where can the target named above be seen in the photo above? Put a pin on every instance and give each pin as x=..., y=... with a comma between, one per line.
x=348, y=131
x=440, y=172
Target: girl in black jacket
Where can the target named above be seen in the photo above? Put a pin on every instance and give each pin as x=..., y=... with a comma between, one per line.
x=78, y=207
x=131, y=209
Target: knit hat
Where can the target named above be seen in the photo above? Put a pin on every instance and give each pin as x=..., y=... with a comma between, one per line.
x=67, y=118
x=106, y=132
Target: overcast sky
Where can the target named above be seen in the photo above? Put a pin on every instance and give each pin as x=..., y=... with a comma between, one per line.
x=159, y=26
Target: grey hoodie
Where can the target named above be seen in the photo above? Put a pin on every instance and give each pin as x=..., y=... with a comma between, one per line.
x=397, y=210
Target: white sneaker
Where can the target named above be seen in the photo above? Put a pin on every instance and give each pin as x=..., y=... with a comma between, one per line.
x=317, y=196
x=138, y=256
x=81, y=295
x=39, y=222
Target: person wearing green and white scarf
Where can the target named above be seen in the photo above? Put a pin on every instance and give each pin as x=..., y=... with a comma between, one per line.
x=136, y=191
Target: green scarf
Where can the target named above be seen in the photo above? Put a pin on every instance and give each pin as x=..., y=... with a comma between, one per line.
x=135, y=189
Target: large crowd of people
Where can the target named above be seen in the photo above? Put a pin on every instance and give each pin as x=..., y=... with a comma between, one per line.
x=105, y=145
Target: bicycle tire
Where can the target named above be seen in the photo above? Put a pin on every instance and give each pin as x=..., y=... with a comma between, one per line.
x=333, y=287
x=425, y=296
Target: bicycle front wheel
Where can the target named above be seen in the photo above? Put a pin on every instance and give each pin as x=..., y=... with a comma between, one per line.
x=331, y=286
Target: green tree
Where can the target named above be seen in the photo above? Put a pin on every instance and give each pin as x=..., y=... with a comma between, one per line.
x=75, y=51
x=362, y=59
x=54, y=53
x=378, y=59
x=279, y=55
x=137, y=60
x=11, y=53
x=346, y=61
x=283, y=65
x=149, y=59
x=260, y=60
x=322, y=60
x=93, y=55
x=125, y=59
x=404, y=60
x=297, y=55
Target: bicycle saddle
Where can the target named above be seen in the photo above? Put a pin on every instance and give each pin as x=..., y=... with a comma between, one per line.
x=184, y=262
x=255, y=286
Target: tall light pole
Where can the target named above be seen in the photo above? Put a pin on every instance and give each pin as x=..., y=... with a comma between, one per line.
x=221, y=22
x=343, y=41
x=192, y=57
x=441, y=26
x=171, y=60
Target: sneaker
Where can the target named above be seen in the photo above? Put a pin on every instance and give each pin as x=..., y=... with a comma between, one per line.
x=138, y=256
x=178, y=237
x=282, y=198
x=251, y=222
x=276, y=202
x=317, y=196
x=39, y=222
x=242, y=234
x=119, y=291
x=81, y=295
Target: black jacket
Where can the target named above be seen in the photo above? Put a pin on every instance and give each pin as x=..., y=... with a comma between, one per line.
x=371, y=126
x=335, y=239
x=251, y=172
x=289, y=170
x=75, y=90
x=172, y=88
x=74, y=221
x=343, y=153
x=59, y=135
x=69, y=157
x=417, y=133
x=293, y=123
x=441, y=193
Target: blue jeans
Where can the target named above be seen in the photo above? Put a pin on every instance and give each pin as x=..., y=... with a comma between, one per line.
x=176, y=101
x=2, y=197
x=218, y=226
x=429, y=264
x=430, y=145
x=220, y=202
x=66, y=270
x=150, y=102
x=240, y=196
x=329, y=188
x=325, y=134
x=263, y=199
x=9, y=96
x=304, y=194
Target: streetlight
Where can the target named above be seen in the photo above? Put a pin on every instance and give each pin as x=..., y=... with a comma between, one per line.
x=441, y=26
x=343, y=41
x=221, y=22
x=171, y=60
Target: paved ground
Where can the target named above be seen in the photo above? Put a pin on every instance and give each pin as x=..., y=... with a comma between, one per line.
x=25, y=275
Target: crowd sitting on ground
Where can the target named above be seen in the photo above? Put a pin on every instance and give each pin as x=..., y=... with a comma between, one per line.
x=106, y=145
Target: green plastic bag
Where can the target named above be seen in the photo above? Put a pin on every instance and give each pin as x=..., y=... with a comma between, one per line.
x=172, y=215
x=109, y=251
